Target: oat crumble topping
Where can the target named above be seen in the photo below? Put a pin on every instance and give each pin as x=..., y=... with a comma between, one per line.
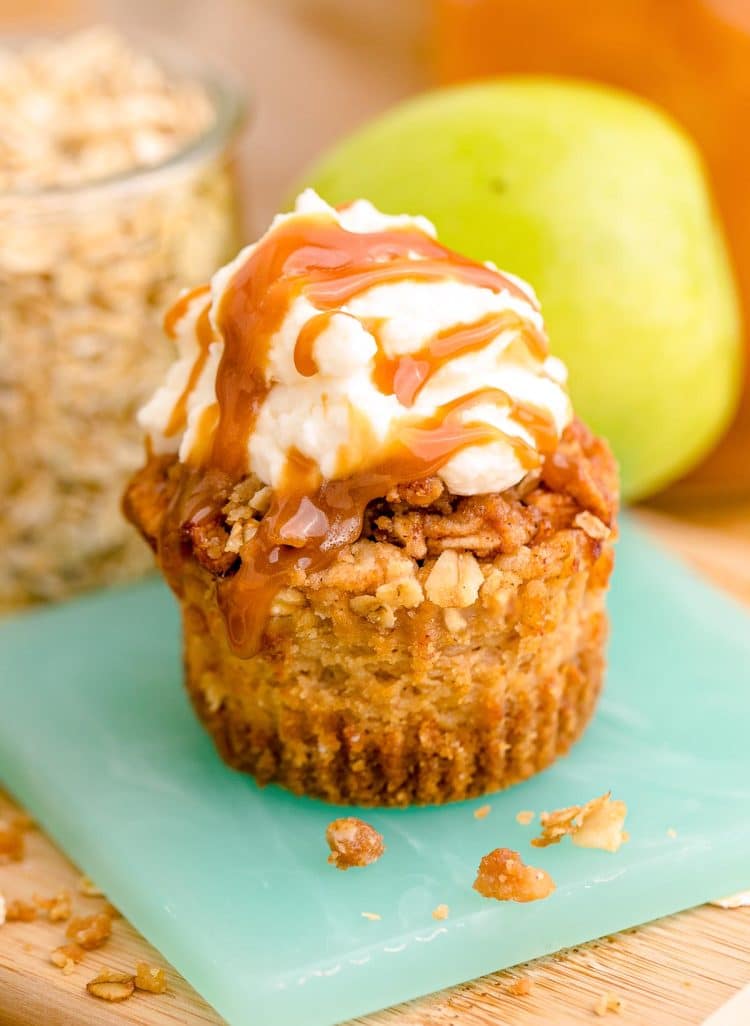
x=597, y=824
x=504, y=876
x=353, y=843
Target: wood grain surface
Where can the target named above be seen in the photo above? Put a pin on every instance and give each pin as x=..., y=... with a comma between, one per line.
x=670, y=973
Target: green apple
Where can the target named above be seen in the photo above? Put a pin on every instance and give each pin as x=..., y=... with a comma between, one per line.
x=600, y=201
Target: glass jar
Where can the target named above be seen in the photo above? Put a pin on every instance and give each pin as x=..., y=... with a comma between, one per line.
x=692, y=58
x=86, y=273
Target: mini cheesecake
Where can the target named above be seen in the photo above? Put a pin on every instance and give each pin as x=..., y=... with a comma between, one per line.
x=389, y=535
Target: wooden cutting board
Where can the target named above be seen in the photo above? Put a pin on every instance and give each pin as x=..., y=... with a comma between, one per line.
x=670, y=973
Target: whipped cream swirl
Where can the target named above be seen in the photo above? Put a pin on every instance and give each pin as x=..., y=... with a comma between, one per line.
x=342, y=381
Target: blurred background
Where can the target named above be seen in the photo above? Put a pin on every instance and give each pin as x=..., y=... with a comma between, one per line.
x=310, y=70
x=85, y=275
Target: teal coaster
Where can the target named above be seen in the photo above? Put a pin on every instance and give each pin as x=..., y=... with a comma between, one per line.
x=231, y=882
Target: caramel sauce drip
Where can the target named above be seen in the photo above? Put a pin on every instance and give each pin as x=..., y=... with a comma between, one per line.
x=180, y=307
x=304, y=358
x=205, y=336
x=310, y=520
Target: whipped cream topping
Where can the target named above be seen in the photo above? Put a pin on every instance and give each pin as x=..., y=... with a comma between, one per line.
x=343, y=381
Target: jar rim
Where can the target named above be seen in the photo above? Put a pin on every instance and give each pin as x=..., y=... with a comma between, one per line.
x=229, y=111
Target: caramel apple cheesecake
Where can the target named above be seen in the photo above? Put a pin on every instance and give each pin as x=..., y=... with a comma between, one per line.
x=389, y=536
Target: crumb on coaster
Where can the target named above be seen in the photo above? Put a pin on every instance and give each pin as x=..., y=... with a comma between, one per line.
x=90, y=931
x=150, y=977
x=12, y=844
x=18, y=911
x=88, y=888
x=520, y=987
x=482, y=812
x=111, y=985
x=671, y=832
x=597, y=824
x=66, y=956
x=609, y=1002
x=503, y=875
x=440, y=912
x=739, y=900
x=58, y=908
x=371, y=915
x=353, y=843
x=524, y=817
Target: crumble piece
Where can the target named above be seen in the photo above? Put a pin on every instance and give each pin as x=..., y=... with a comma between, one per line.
x=90, y=931
x=88, y=888
x=740, y=900
x=441, y=912
x=12, y=845
x=482, y=812
x=454, y=620
x=608, y=1002
x=592, y=525
x=373, y=610
x=671, y=832
x=597, y=824
x=353, y=843
x=66, y=955
x=150, y=977
x=454, y=580
x=403, y=592
x=18, y=911
x=372, y=916
x=524, y=817
x=503, y=875
x=111, y=985
x=58, y=909
x=520, y=988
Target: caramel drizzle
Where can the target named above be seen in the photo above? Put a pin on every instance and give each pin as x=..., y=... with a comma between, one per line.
x=310, y=520
x=316, y=257
x=406, y=376
x=180, y=307
x=204, y=334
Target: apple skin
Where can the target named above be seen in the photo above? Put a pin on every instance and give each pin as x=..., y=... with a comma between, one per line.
x=600, y=201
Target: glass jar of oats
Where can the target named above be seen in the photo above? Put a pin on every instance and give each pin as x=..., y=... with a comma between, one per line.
x=116, y=192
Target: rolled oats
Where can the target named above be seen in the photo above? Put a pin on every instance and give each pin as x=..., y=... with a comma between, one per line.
x=110, y=985
x=454, y=580
x=84, y=276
